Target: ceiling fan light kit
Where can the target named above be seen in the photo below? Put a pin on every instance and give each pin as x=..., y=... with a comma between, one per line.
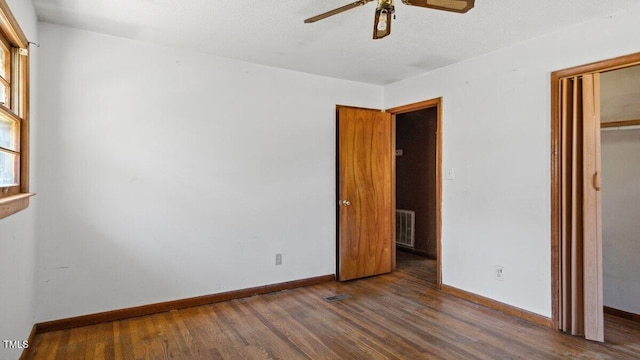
x=382, y=19
x=385, y=9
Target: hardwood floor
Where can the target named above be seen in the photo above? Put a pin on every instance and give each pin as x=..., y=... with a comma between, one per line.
x=394, y=316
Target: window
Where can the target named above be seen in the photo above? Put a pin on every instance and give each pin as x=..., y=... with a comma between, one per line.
x=14, y=115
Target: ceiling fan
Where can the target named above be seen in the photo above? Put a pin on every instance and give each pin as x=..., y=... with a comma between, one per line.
x=385, y=8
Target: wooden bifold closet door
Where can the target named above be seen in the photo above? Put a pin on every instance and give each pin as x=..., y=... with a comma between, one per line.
x=581, y=309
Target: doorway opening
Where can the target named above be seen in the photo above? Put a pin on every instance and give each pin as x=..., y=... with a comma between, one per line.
x=620, y=147
x=417, y=180
x=366, y=187
x=577, y=228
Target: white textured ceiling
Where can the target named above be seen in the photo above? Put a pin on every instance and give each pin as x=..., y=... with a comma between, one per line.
x=272, y=32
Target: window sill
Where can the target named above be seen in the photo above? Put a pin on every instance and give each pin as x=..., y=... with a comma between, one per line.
x=12, y=204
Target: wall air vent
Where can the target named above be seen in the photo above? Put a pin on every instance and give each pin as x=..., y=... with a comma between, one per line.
x=405, y=228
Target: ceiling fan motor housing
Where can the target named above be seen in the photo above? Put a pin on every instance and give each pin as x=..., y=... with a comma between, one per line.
x=386, y=5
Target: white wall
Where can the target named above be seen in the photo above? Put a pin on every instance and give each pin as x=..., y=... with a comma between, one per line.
x=18, y=281
x=496, y=136
x=621, y=219
x=17, y=235
x=167, y=174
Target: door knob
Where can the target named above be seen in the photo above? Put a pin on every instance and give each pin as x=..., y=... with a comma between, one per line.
x=344, y=202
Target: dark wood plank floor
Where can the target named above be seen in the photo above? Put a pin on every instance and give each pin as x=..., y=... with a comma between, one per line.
x=394, y=316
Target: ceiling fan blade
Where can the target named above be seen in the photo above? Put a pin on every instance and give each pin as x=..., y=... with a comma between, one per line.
x=459, y=6
x=336, y=11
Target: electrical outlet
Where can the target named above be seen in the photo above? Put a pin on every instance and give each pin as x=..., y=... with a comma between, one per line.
x=278, y=259
x=499, y=273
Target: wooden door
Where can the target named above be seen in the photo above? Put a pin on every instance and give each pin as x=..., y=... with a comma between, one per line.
x=593, y=298
x=366, y=213
x=581, y=310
